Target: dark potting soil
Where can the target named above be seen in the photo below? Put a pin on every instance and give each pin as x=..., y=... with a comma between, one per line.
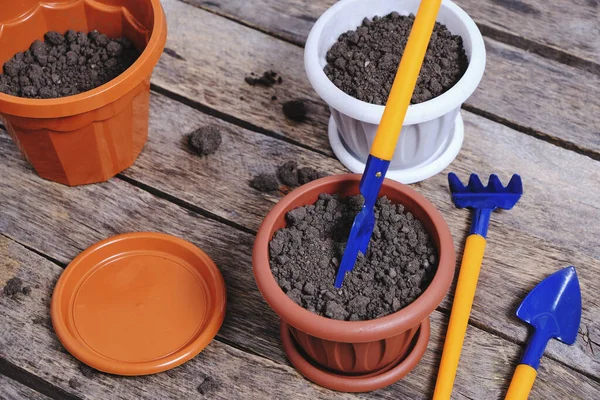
x=363, y=62
x=64, y=65
x=288, y=174
x=295, y=110
x=87, y=371
x=209, y=384
x=265, y=183
x=14, y=286
x=205, y=140
x=267, y=79
x=74, y=383
x=308, y=174
x=399, y=265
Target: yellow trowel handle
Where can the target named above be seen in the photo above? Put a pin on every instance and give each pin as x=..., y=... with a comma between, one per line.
x=521, y=383
x=459, y=317
x=404, y=83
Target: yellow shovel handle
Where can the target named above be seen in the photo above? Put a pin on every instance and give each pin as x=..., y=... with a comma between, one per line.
x=521, y=383
x=384, y=144
x=459, y=317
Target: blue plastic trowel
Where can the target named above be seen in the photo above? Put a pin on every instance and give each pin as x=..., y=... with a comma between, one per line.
x=553, y=308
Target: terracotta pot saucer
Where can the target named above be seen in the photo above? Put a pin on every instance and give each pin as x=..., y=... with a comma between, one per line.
x=355, y=383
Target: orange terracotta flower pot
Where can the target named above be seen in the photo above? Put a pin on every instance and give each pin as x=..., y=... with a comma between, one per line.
x=91, y=136
x=355, y=347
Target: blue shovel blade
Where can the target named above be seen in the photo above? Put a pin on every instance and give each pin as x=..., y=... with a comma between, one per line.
x=364, y=222
x=553, y=307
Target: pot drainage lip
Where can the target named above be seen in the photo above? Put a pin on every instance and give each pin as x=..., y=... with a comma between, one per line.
x=355, y=383
x=420, y=172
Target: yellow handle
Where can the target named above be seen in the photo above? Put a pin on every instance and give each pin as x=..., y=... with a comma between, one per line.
x=459, y=317
x=521, y=383
x=404, y=83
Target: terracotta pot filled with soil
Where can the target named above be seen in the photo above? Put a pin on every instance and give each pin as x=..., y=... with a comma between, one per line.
x=373, y=330
x=351, y=56
x=75, y=83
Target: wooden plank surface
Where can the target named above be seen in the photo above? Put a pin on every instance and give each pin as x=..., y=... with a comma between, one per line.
x=550, y=226
x=167, y=164
x=31, y=344
x=543, y=97
x=572, y=28
x=13, y=390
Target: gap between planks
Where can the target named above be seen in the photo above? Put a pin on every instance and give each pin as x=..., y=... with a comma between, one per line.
x=502, y=37
x=505, y=37
x=190, y=207
x=33, y=381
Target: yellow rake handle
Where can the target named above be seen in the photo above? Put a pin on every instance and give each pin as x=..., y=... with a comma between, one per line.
x=459, y=317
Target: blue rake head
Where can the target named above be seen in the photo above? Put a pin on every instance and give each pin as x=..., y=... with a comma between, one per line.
x=484, y=199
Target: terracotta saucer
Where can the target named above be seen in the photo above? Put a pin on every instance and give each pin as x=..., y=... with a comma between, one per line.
x=355, y=383
x=138, y=304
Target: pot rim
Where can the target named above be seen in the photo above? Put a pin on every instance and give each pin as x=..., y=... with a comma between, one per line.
x=353, y=331
x=417, y=113
x=102, y=95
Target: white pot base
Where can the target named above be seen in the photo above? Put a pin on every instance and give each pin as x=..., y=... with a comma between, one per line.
x=432, y=166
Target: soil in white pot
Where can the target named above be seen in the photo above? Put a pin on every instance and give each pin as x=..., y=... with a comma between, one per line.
x=363, y=62
x=305, y=255
x=65, y=65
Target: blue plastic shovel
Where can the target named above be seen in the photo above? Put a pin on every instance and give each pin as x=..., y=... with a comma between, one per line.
x=553, y=308
x=387, y=134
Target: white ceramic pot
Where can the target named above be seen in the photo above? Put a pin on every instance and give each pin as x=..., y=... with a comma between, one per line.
x=433, y=131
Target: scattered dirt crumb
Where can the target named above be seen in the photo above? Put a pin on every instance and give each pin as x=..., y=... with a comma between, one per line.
x=42, y=320
x=74, y=383
x=205, y=140
x=273, y=97
x=267, y=79
x=288, y=173
x=209, y=384
x=13, y=287
x=295, y=110
x=26, y=290
x=265, y=183
x=66, y=64
x=86, y=371
x=308, y=174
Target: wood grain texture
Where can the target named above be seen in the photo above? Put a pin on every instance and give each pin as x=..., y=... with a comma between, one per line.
x=13, y=390
x=544, y=97
x=571, y=27
x=62, y=221
x=550, y=230
x=31, y=344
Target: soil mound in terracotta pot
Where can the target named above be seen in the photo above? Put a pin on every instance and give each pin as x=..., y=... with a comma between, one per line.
x=363, y=62
x=65, y=65
x=400, y=262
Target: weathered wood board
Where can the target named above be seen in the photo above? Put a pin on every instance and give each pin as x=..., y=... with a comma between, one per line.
x=31, y=344
x=167, y=164
x=569, y=27
x=13, y=390
x=542, y=97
